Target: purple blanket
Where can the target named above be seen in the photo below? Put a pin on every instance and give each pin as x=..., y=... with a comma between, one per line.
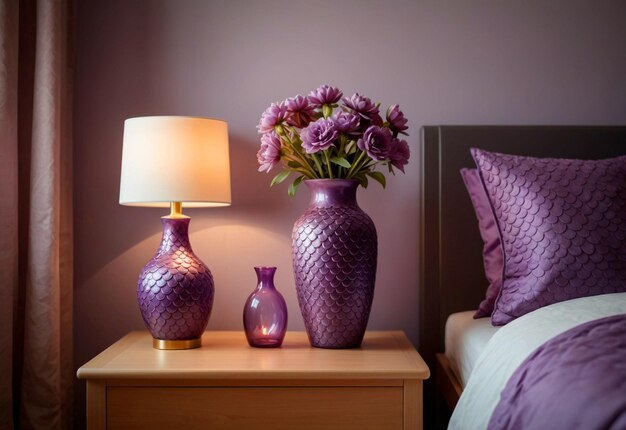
x=577, y=380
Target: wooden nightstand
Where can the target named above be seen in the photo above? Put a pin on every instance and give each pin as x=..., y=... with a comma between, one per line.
x=226, y=384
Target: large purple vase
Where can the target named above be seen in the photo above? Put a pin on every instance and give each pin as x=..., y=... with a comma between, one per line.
x=175, y=289
x=334, y=252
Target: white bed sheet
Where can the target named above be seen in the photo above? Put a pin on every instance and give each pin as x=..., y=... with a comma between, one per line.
x=513, y=343
x=466, y=338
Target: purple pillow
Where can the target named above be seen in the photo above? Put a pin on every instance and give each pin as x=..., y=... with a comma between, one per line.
x=562, y=225
x=493, y=260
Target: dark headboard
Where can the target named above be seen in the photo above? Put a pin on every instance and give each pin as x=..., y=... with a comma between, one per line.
x=451, y=271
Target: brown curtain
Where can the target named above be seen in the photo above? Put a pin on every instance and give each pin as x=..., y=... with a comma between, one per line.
x=36, y=371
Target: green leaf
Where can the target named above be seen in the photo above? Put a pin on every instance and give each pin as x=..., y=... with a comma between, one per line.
x=362, y=180
x=350, y=147
x=280, y=177
x=293, y=188
x=294, y=164
x=340, y=161
x=378, y=177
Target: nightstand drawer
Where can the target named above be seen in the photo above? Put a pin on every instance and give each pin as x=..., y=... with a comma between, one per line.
x=260, y=408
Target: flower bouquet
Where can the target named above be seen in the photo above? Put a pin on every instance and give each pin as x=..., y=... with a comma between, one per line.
x=325, y=136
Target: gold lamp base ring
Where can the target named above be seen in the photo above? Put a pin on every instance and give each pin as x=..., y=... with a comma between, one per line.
x=176, y=344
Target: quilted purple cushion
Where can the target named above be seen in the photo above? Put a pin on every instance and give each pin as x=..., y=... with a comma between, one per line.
x=493, y=260
x=562, y=225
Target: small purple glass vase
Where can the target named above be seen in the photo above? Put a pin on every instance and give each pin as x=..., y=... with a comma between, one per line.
x=334, y=253
x=175, y=290
x=265, y=312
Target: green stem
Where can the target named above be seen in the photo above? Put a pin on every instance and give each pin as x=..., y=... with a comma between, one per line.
x=330, y=168
x=368, y=164
x=354, y=166
x=341, y=153
x=300, y=157
x=319, y=166
x=306, y=169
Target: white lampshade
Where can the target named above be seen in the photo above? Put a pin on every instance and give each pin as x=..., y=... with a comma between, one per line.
x=175, y=159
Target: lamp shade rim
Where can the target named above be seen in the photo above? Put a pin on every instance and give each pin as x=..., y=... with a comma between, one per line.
x=187, y=204
x=136, y=118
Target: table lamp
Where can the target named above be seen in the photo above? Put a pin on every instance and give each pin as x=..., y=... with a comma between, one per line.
x=175, y=161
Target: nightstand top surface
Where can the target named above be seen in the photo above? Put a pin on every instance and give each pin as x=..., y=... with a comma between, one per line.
x=224, y=354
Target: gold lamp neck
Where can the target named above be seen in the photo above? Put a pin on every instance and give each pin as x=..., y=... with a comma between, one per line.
x=176, y=210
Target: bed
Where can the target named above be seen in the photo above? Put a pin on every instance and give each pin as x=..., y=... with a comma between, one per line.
x=452, y=277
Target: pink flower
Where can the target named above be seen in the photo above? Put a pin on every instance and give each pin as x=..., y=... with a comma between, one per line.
x=325, y=95
x=269, y=154
x=346, y=122
x=365, y=108
x=399, y=153
x=318, y=135
x=273, y=116
x=375, y=142
x=396, y=119
x=300, y=112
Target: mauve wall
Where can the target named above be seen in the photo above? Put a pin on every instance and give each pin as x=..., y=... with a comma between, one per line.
x=454, y=62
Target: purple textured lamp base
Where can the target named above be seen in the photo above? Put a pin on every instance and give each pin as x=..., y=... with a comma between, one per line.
x=334, y=252
x=175, y=290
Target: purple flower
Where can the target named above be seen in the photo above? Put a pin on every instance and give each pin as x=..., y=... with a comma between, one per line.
x=376, y=142
x=346, y=122
x=399, y=153
x=300, y=112
x=318, y=135
x=397, y=121
x=269, y=154
x=273, y=116
x=325, y=95
x=363, y=107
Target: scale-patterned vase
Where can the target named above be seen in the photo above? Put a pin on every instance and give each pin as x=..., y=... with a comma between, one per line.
x=175, y=289
x=334, y=252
